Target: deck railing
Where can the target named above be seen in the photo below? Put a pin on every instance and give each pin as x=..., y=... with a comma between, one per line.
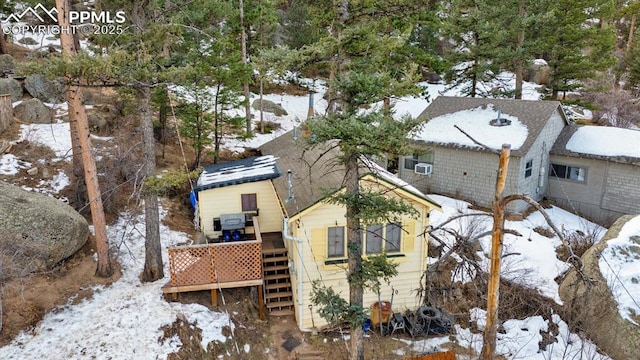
x=239, y=261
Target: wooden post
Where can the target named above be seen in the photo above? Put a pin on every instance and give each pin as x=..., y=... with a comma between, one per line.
x=6, y=111
x=260, y=303
x=493, y=292
x=214, y=297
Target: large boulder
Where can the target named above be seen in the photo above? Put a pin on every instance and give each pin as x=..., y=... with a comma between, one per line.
x=38, y=231
x=12, y=87
x=591, y=304
x=33, y=111
x=40, y=87
x=269, y=106
x=7, y=64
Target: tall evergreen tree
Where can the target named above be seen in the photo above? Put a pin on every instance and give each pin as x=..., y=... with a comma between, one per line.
x=362, y=40
x=574, y=40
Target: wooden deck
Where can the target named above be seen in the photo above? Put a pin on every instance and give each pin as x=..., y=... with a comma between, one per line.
x=220, y=265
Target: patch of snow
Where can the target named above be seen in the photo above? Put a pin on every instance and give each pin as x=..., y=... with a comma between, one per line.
x=619, y=266
x=605, y=141
x=10, y=164
x=55, y=136
x=441, y=129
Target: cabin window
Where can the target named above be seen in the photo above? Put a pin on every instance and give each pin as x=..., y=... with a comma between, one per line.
x=393, y=235
x=374, y=239
x=383, y=237
x=410, y=162
x=528, y=169
x=569, y=172
x=249, y=202
x=335, y=238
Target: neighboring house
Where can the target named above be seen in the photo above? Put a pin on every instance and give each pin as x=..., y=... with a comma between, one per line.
x=458, y=166
x=595, y=171
x=314, y=230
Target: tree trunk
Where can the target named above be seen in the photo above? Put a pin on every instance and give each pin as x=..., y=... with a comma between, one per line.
x=3, y=44
x=247, y=93
x=631, y=31
x=493, y=292
x=153, y=267
x=354, y=254
x=519, y=60
x=74, y=100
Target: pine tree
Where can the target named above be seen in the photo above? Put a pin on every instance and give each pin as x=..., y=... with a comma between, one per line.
x=574, y=40
x=362, y=40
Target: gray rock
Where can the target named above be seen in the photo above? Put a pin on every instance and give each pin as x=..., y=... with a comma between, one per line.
x=590, y=301
x=269, y=106
x=38, y=231
x=7, y=64
x=39, y=87
x=97, y=122
x=33, y=111
x=537, y=73
x=12, y=87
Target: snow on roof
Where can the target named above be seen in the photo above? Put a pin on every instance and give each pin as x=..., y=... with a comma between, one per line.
x=441, y=129
x=618, y=264
x=238, y=172
x=605, y=141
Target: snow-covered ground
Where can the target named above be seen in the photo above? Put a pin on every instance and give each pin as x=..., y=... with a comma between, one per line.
x=123, y=320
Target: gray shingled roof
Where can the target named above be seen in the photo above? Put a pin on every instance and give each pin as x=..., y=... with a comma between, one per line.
x=560, y=148
x=533, y=114
x=315, y=172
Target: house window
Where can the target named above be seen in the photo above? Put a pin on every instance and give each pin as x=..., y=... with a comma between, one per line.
x=392, y=237
x=374, y=239
x=335, y=238
x=376, y=242
x=569, y=172
x=410, y=162
x=528, y=169
x=249, y=202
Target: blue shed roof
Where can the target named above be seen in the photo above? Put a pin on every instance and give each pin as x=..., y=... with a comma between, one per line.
x=241, y=171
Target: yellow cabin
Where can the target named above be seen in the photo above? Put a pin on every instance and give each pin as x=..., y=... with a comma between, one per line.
x=267, y=223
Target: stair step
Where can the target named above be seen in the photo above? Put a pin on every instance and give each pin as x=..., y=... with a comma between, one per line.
x=279, y=304
x=274, y=251
x=279, y=294
x=275, y=268
x=275, y=259
x=271, y=277
x=285, y=312
x=276, y=286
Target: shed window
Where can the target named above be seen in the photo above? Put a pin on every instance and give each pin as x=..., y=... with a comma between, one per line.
x=528, y=169
x=569, y=172
x=249, y=202
x=335, y=241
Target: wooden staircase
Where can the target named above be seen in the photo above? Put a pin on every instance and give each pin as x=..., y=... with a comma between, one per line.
x=277, y=282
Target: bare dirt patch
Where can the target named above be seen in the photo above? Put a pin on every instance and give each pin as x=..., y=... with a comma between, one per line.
x=25, y=301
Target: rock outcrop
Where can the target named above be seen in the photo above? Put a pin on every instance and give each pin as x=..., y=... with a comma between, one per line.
x=33, y=111
x=38, y=231
x=592, y=305
x=269, y=106
x=12, y=87
x=46, y=90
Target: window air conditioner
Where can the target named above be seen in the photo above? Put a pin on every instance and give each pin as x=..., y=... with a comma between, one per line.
x=423, y=169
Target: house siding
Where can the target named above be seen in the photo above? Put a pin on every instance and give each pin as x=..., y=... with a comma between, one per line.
x=226, y=200
x=463, y=174
x=610, y=190
x=311, y=230
x=536, y=185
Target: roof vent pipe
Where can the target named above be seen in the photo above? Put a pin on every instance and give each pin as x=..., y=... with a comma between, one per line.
x=289, y=186
x=499, y=121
